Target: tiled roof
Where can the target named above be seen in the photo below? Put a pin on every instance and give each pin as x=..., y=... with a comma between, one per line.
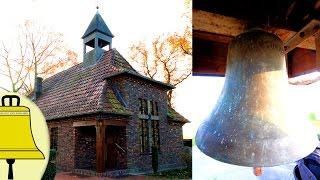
x=175, y=116
x=84, y=90
x=126, y=72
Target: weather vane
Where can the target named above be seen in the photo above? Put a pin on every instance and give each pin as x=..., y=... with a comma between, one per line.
x=97, y=3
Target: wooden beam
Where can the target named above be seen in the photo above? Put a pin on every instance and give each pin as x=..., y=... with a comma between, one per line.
x=301, y=61
x=211, y=37
x=84, y=123
x=100, y=147
x=317, y=43
x=143, y=116
x=105, y=122
x=212, y=33
x=109, y=122
x=228, y=26
x=218, y=24
x=310, y=29
x=209, y=58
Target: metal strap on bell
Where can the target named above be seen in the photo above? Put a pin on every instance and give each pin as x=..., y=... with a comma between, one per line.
x=252, y=124
x=16, y=139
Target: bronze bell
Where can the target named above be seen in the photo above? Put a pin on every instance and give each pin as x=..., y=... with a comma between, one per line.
x=252, y=124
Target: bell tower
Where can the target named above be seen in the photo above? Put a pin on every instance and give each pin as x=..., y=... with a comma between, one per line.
x=96, y=39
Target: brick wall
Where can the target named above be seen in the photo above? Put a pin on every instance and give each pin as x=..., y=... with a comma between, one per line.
x=65, y=148
x=66, y=141
x=85, y=148
x=171, y=141
x=175, y=140
x=83, y=153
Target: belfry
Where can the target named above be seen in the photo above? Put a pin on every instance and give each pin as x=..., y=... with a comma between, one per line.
x=97, y=36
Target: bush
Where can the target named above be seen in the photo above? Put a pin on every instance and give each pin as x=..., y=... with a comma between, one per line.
x=174, y=174
x=155, y=157
x=51, y=170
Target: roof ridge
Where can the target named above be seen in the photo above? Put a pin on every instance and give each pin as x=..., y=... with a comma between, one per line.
x=141, y=76
x=121, y=63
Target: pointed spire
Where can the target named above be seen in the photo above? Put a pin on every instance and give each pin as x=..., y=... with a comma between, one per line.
x=99, y=37
x=97, y=24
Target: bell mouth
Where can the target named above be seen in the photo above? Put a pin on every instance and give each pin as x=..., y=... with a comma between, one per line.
x=21, y=154
x=254, y=153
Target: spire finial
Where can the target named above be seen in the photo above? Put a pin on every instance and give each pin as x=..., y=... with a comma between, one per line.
x=97, y=7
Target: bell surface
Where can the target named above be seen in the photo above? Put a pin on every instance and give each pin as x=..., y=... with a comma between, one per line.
x=251, y=124
x=16, y=139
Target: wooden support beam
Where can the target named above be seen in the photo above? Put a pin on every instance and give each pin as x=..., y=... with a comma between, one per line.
x=213, y=32
x=310, y=29
x=228, y=26
x=104, y=122
x=315, y=60
x=300, y=62
x=84, y=123
x=209, y=58
x=100, y=147
x=211, y=37
x=218, y=24
x=115, y=122
x=317, y=42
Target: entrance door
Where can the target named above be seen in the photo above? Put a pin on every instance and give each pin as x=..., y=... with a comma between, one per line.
x=115, y=147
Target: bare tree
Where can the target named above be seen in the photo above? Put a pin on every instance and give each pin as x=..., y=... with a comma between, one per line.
x=14, y=68
x=167, y=59
x=140, y=56
x=42, y=53
x=182, y=41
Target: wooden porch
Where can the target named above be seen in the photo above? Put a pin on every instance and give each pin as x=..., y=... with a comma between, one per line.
x=107, y=148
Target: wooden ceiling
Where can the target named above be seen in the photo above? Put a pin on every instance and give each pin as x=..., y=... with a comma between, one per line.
x=287, y=14
x=215, y=23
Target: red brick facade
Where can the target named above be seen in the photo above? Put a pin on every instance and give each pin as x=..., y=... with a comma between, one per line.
x=77, y=145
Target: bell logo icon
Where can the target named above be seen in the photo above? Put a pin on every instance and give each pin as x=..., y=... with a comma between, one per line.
x=16, y=137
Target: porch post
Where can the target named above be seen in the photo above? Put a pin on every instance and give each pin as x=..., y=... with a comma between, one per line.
x=100, y=147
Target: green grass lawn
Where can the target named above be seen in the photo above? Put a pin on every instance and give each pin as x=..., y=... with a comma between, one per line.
x=175, y=174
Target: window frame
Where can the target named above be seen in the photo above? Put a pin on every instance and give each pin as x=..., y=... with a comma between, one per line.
x=144, y=138
x=149, y=131
x=155, y=124
x=54, y=131
x=140, y=106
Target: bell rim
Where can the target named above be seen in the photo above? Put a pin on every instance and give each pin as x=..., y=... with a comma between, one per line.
x=292, y=159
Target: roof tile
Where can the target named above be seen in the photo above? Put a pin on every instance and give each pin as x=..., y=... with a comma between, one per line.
x=83, y=90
